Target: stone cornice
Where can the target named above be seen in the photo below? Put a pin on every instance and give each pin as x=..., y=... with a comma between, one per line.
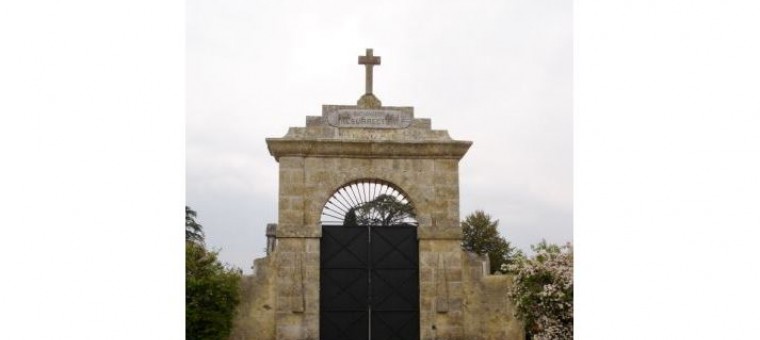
x=279, y=147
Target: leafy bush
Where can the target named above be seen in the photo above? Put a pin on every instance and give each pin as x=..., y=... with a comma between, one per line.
x=212, y=290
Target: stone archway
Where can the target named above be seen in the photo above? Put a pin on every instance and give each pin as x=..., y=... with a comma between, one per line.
x=321, y=157
x=457, y=299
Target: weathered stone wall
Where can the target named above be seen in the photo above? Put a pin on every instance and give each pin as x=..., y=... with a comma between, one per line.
x=441, y=289
x=489, y=313
x=254, y=318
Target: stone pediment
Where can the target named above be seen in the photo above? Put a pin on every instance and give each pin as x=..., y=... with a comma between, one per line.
x=382, y=132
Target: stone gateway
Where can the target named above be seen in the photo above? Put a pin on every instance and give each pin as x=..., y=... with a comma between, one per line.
x=368, y=239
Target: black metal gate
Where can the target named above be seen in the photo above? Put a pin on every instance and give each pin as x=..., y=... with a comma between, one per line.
x=369, y=283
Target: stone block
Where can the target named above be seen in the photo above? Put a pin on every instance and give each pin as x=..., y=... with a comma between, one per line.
x=291, y=189
x=312, y=245
x=291, y=163
x=318, y=178
x=290, y=216
x=446, y=193
x=446, y=165
x=428, y=259
x=291, y=176
x=455, y=290
x=290, y=245
x=382, y=164
x=455, y=274
x=285, y=259
x=445, y=178
x=426, y=274
x=311, y=274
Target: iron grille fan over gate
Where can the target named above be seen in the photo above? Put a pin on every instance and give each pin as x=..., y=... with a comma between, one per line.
x=374, y=202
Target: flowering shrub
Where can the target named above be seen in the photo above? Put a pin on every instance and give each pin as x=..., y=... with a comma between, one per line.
x=543, y=291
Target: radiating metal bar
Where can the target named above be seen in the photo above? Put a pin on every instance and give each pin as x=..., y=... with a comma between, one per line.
x=347, y=194
x=342, y=206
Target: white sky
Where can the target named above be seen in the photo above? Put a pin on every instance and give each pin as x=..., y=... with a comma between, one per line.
x=498, y=73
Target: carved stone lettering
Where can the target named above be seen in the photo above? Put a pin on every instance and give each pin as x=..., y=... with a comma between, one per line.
x=369, y=118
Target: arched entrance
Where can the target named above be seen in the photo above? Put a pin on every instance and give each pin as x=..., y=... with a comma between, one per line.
x=369, y=264
x=357, y=270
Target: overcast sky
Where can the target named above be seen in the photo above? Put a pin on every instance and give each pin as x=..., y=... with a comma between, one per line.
x=498, y=73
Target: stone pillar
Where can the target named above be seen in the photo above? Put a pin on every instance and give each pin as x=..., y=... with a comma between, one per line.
x=297, y=288
x=271, y=237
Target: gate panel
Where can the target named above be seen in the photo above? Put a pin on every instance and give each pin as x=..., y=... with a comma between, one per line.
x=394, y=262
x=369, y=283
x=344, y=287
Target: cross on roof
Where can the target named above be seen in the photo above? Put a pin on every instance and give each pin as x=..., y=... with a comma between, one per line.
x=368, y=61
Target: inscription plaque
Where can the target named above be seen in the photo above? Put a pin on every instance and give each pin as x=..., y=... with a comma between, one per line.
x=369, y=118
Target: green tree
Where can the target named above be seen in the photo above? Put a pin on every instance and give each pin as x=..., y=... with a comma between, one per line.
x=193, y=230
x=384, y=210
x=212, y=290
x=481, y=236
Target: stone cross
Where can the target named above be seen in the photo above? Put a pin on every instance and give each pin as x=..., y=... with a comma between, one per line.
x=368, y=61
